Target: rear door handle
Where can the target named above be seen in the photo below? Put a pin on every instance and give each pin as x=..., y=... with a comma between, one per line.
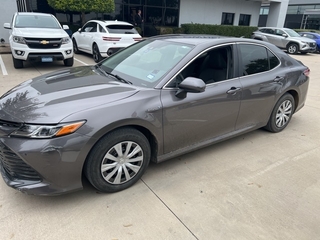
x=278, y=79
x=233, y=90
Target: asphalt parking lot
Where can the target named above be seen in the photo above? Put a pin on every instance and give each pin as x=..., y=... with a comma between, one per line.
x=256, y=186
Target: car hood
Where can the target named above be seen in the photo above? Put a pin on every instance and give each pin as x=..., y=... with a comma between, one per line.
x=49, y=98
x=40, y=32
x=303, y=39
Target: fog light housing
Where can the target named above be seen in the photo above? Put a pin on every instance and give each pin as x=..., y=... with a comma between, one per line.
x=68, y=52
x=110, y=52
x=19, y=53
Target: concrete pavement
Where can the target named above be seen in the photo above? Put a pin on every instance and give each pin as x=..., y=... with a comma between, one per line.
x=256, y=186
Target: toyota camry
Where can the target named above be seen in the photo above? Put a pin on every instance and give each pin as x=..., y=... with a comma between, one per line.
x=153, y=101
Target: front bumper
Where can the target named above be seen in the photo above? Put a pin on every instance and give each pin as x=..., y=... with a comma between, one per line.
x=23, y=52
x=43, y=166
x=306, y=48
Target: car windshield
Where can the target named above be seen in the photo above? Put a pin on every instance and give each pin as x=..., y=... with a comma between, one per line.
x=36, y=21
x=121, y=29
x=292, y=33
x=145, y=63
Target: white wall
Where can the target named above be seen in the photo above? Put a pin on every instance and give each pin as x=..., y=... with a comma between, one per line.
x=210, y=11
x=7, y=9
x=302, y=2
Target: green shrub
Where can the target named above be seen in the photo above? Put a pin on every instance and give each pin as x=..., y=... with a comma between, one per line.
x=223, y=30
x=164, y=30
x=307, y=30
x=178, y=30
x=138, y=30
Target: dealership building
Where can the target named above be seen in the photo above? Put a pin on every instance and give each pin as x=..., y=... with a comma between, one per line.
x=176, y=12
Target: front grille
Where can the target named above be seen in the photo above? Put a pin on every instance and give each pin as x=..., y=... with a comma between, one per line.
x=312, y=44
x=40, y=43
x=14, y=165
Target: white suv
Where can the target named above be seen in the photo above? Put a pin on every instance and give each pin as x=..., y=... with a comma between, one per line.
x=285, y=38
x=103, y=38
x=38, y=37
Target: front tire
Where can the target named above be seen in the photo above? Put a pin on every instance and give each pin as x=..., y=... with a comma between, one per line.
x=17, y=63
x=293, y=48
x=75, y=46
x=281, y=114
x=118, y=160
x=96, y=53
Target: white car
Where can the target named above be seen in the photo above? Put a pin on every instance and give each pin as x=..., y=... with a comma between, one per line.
x=103, y=38
x=38, y=37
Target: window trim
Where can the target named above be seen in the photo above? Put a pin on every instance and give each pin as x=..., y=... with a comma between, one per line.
x=195, y=57
x=239, y=60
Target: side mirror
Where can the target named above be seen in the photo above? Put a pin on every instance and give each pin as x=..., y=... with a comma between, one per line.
x=79, y=30
x=284, y=35
x=7, y=26
x=190, y=84
x=65, y=27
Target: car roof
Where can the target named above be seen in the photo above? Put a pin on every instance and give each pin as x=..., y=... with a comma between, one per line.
x=34, y=13
x=198, y=39
x=275, y=28
x=110, y=22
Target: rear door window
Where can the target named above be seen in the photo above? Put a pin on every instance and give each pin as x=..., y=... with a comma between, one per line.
x=256, y=59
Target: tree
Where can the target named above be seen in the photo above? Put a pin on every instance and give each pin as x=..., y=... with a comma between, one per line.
x=83, y=6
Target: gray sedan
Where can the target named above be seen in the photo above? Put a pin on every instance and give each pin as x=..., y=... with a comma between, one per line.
x=153, y=101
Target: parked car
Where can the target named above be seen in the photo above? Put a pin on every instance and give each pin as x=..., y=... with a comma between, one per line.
x=38, y=37
x=285, y=38
x=314, y=36
x=103, y=38
x=152, y=101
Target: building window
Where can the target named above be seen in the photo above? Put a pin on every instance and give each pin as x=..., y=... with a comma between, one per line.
x=244, y=20
x=227, y=18
x=264, y=10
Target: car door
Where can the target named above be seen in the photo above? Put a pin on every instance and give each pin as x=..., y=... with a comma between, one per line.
x=201, y=117
x=86, y=35
x=275, y=38
x=261, y=79
x=280, y=38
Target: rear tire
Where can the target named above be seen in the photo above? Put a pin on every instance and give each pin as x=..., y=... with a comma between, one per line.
x=281, y=114
x=96, y=53
x=68, y=62
x=118, y=160
x=293, y=48
x=17, y=63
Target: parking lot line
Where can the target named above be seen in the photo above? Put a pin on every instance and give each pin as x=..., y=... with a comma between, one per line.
x=3, y=67
x=80, y=61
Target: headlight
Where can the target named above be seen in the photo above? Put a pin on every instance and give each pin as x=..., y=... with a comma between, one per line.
x=65, y=40
x=47, y=131
x=18, y=39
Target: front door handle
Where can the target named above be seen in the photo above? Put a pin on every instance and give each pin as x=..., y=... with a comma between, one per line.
x=233, y=90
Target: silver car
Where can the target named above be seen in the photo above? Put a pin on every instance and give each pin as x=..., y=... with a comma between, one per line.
x=152, y=101
x=285, y=38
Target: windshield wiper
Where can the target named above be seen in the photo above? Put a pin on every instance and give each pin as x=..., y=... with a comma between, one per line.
x=113, y=75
